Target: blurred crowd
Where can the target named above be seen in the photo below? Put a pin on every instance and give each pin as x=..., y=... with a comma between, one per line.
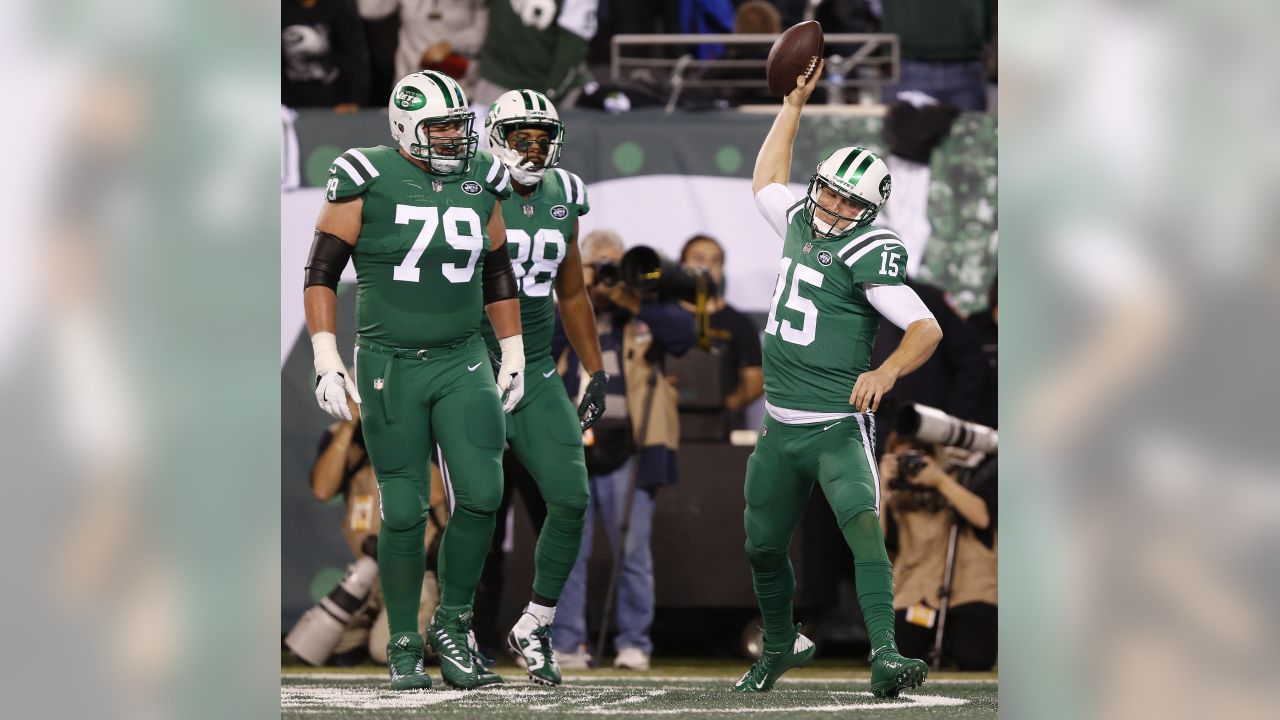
x=347, y=54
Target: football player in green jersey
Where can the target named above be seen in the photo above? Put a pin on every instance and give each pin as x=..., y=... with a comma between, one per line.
x=422, y=222
x=543, y=431
x=837, y=277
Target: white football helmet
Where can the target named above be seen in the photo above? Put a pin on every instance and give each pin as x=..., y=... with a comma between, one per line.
x=517, y=109
x=426, y=99
x=853, y=173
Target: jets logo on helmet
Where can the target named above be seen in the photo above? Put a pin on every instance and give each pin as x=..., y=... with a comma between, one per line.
x=519, y=110
x=854, y=174
x=431, y=121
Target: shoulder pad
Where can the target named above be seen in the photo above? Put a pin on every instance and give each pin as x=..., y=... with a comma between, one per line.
x=352, y=173
x=863, y=254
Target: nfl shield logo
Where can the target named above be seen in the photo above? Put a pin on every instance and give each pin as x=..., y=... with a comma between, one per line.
x=377, y=383
x=807, y=248
x=528, y=211
x=437, y=185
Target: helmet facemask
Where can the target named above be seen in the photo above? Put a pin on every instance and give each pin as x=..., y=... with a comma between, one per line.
x=824, y=229
x=446, y=155
x=523, y=170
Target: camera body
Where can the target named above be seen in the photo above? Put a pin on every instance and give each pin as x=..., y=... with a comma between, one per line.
x=910, y=463
x=608, y=273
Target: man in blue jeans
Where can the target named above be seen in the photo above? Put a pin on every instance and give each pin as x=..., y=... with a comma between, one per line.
x=635, y=333
x=942, y=45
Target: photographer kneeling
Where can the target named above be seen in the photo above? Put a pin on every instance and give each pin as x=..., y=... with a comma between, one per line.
x=923, y=497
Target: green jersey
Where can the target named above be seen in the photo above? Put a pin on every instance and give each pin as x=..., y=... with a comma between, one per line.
x=422, y=245
x=821, y=326
x=539, y=228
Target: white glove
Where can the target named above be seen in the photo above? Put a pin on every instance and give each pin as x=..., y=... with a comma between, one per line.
x=332, y=386
x=511, y=372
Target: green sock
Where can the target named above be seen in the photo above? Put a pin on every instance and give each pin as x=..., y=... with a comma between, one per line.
x=557, y=550
x=774, y=581
x=402, y=560
x=463, y=548
x=873, y=574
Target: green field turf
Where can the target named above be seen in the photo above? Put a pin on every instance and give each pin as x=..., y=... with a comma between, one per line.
x=673, y=691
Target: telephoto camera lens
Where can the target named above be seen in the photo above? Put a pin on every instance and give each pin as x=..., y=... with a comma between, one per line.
x=317, y=632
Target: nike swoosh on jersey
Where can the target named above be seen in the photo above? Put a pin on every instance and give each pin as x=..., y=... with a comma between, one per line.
x=472, y=368
x=547, y=374
x=828, y=427
x=468, y=668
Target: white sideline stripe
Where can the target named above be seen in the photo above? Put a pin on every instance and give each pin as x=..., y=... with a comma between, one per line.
x=373, y=171
x=351, y=170
x=788, y=680
x=582, y=192
x=506, y=177
x=369, y=699
x=493, y=170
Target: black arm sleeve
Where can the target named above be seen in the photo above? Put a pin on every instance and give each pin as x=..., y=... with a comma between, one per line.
x=329, y=255
x=499, y=281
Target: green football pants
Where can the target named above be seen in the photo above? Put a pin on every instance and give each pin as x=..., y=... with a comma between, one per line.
x=546, y=437
x=412, y=400
x=787, y=461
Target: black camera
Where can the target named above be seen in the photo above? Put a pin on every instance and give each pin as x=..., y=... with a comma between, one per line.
x=608, y=273
x=648, y=270
x=910, y=463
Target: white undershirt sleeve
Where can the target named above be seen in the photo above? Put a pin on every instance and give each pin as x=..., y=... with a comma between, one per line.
x=773, y=201
x=898, y=304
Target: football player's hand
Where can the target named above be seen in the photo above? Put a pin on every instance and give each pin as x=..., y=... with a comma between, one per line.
x=511, y=372
x=332, y=391
x=870, y=387
x=332, y=386
x=592, y=405
x=799, y=96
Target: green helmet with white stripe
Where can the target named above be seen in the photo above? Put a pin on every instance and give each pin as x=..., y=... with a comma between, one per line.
x=516, y=110
x=431, y=120
x=855, y=174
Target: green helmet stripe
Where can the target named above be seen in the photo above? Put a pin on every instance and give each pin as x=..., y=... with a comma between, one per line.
x=457, y=91
x=848, y=160
x=863, y=166
x=528, y=99
x=542, y=100
x=444, y=89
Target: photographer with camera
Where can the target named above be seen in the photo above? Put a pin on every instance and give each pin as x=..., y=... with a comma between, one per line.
x=630, y=451
x=730, y=345
x=350, y=622
x=925, y=495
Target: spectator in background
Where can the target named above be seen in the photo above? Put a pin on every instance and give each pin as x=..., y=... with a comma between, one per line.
x=443, y=35
x=540, y=46
x=952, y=378
x=635, y=334
x=917, y=522
x=324, y=61
x=943, y=44
x=985, y=326
x=731, y=332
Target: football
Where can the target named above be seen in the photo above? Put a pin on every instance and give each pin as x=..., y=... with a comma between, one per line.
x=796, y=52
